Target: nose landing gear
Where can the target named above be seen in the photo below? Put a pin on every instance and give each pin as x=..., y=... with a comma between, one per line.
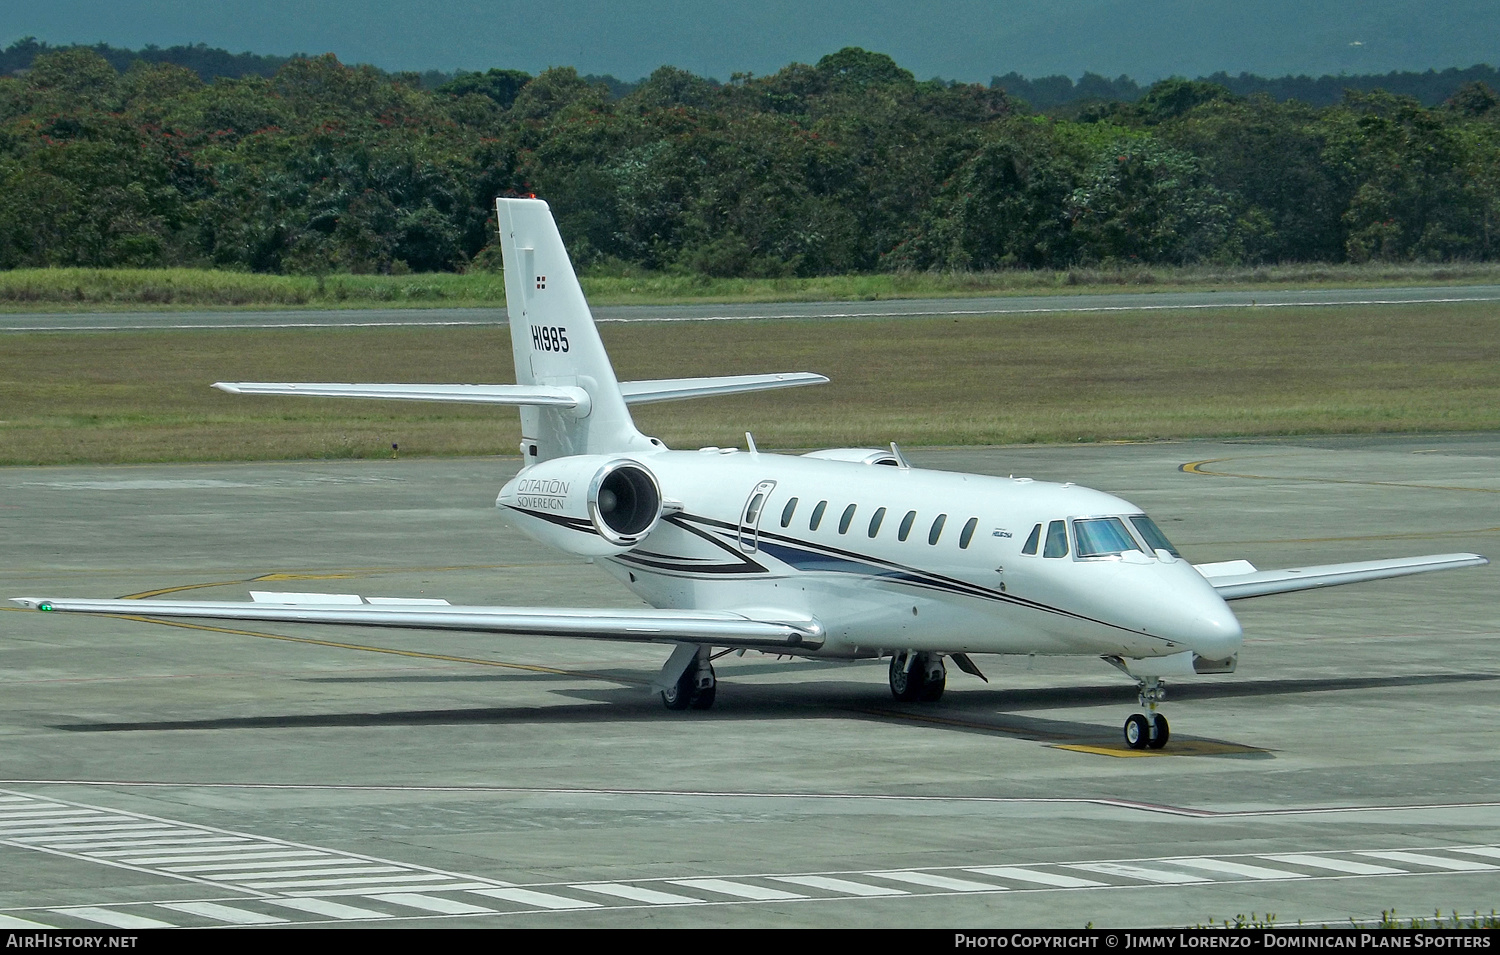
x=1148, y=729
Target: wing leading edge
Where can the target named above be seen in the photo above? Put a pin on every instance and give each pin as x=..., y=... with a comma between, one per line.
x=1238, y=579
x=647, y=626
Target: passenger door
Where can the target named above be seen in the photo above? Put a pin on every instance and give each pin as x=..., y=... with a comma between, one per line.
x=755, y=506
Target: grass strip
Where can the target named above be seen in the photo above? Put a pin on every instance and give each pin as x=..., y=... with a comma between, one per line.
x=72, y=289
x=114, y=397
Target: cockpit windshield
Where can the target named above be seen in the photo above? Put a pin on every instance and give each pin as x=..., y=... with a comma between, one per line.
x=1102, y=537
x=1152, y=534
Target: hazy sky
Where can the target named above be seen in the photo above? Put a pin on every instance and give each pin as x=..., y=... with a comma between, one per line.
x=955, y=39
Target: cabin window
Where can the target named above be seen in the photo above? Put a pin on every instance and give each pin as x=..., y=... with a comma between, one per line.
x=786, y=512
x=904, y=531
x=817, y=515
x=1033, y=541
x=845, y=518
x=1102, y=537
x=1057, y=540
x=937, y=529
x=875, y=521
x=752, y=513
x=1152, y=535
x=968, y=534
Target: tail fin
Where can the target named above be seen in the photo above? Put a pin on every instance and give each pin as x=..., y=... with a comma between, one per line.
x=555, y=342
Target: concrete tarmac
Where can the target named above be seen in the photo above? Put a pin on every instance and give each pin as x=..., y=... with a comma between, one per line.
x=195, y=775
x=889, y=308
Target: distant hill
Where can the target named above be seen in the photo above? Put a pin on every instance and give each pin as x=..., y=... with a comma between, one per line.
x=208, y=63
x=1043, y=93
x=1430, y=88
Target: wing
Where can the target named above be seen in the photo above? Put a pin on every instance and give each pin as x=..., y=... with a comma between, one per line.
x=1238, y=579
x=671, y=389
x=649, y=626
x=542, y=396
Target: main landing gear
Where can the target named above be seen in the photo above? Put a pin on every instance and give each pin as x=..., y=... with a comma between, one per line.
x=687, y=681
x=1148, y=729
x=918, y=677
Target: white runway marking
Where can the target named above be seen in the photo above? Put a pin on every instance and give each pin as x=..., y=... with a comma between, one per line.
x=842, y=886
x=335, y=910
x=274, y=878
x=1418, y=858
x=224, y=913
x=637, y=894
x=740, y=890
x=1334, y=865
x=433, y=903
x=1040, y=878
x=1239, y=868
x=543, y=900
x=216, y=857
x=1139, y=872
x=112, y=918
x=930, y=881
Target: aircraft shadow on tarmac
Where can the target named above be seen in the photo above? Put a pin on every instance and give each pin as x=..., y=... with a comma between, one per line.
x=975, y=711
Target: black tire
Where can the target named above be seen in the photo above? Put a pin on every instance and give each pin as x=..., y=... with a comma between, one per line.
x=932, y=690
x=704, y=699
x=1163, y=732
x=906, y=685
x=1137, y=732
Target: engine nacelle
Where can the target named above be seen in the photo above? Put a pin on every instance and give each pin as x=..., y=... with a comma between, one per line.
x=592, y=505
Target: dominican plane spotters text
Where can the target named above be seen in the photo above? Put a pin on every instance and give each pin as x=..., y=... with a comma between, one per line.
x=844, y=554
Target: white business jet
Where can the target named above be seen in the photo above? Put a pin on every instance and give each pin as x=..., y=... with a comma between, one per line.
x=844, y=554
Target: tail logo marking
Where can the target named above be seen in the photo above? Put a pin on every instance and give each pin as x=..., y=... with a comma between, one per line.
x=549, y=337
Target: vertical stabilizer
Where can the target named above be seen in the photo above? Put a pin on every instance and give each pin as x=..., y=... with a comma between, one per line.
x=555, y=342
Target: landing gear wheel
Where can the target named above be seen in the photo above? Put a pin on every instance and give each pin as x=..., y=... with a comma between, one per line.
x=1137, y=732
x=907, y=684
x=918, y=677
x=1162, y=733
x=688, y=693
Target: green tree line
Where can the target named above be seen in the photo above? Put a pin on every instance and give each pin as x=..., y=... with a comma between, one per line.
x=847, y=165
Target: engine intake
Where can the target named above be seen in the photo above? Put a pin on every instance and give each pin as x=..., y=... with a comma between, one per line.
x=624, y=503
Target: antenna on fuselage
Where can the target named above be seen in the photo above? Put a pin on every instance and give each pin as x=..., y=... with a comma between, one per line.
x=750, y=443
x=900, y=458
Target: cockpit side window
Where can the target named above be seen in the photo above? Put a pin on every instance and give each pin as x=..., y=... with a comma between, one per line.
x=1102, y=537
x=1033, y=541
x=1152, y=534
x=1057, y=540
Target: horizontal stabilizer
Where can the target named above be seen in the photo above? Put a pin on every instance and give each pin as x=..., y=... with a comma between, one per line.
x=677, y=626
x=670, y=389
x=1259, y=583
x=543, y=396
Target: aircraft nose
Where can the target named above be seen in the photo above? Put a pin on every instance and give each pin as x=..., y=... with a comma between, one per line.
x=1214, y=631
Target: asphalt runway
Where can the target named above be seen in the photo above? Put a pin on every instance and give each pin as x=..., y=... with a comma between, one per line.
x=889, y=308
x=200, y=775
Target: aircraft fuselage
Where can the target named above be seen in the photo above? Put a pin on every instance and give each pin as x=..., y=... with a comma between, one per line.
x=887, y=558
